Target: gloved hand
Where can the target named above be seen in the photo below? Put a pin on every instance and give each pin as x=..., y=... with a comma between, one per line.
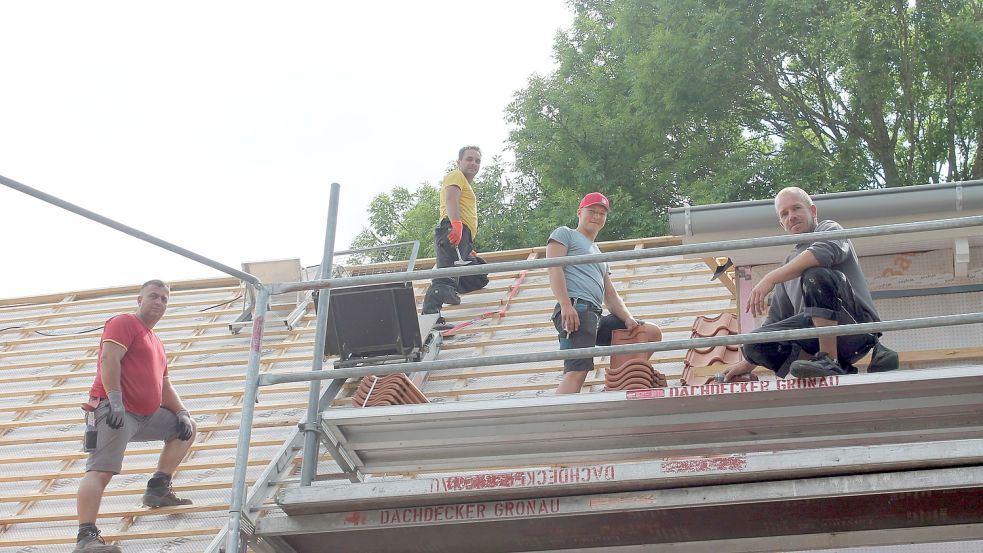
x=185, y=430
x=454, y=236
x=117, y=413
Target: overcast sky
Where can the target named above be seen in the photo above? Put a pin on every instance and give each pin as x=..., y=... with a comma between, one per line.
x=219, y=126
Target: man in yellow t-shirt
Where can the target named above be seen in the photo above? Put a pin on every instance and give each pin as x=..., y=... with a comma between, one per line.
x=456, y=230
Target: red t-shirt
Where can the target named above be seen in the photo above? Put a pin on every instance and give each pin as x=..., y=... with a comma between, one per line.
x=142, y=369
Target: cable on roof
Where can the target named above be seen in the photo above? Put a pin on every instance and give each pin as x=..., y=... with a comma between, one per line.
x=221, y=304
x=104, y=326
x=70, y=333
x=54, y=335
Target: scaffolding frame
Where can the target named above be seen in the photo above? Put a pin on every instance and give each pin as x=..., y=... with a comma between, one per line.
x=254, y=381
x=310, y=429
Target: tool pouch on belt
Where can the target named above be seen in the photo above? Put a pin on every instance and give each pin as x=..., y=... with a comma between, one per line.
x=91, y=434
x=471, y=283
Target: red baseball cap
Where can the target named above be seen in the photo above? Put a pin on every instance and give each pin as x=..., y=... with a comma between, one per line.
x=595, y=198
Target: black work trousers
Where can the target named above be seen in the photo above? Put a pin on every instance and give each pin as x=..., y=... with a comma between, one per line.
x=827, y=294
x=447, y=254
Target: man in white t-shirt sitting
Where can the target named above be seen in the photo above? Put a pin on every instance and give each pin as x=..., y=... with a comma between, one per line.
x=580, y=291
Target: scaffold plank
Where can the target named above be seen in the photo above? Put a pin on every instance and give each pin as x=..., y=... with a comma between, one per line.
x=788, y=509
x=553, y=481
x=837, y=411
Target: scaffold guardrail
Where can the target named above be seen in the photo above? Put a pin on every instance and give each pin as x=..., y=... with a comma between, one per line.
x=254, y=381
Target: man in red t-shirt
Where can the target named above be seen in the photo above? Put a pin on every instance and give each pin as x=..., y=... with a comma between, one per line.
x=136, y=403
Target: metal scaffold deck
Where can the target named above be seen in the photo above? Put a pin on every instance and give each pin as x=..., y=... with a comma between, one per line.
x=807, y=463
x=840, y=511
x=838, y=411
x=569, y=480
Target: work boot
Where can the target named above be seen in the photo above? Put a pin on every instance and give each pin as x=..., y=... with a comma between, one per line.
x=442, y=324
x=883, y=359
x=89, y=541
x=431, y=301
x=437, y=295
x=160, y=494
x=821, y=364
x=450, y=296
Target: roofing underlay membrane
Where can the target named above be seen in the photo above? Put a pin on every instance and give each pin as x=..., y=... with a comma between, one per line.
x=43, y=378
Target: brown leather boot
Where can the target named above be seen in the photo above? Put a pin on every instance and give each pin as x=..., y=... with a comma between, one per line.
x=160, y=494
x=89, y=541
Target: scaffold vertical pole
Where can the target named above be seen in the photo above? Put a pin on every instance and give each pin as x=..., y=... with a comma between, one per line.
x=246, y=420
x=309, y=467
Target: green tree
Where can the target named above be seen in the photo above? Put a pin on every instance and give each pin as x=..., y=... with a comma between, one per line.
x=400, y=216
x=665, y=101
x=506, y=209
x=506, y=206
x=595, y=124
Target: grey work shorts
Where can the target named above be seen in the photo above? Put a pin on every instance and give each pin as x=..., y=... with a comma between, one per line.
x=584, y=337
x=111, y=442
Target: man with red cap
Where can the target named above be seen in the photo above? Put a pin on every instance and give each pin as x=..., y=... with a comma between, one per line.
x=581, y=289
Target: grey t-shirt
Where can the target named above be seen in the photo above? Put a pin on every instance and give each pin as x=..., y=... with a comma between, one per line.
x=834, y=254
x=585, y=281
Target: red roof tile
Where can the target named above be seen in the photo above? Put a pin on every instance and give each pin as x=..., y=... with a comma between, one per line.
x=392, y=389
x=689, y=375
x=616, y=383
x=719, y=355
x=724, y=324
x=634, y=375
x=647, y=332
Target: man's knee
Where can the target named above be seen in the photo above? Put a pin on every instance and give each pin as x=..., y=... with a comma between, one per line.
x=771, y=355
x=575, y=377
x=819, y=278
x=185, y=444
x=606, y=326
x=753, y=354
x=821, y=287
x=100, y=477
x=194, y=433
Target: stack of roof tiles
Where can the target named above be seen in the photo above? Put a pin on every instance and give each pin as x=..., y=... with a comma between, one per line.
x=392, y=389
x=632, y=371
x=725, y=324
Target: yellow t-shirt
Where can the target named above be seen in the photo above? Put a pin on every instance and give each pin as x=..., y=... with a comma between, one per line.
x=468, y=201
